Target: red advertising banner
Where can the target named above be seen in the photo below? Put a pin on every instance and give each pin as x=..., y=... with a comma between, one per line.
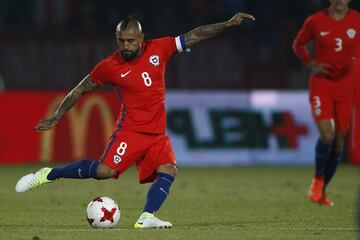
x=206, y=128
x=21, y=111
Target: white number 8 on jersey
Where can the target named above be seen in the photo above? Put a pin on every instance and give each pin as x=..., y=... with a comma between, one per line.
x=147, y=79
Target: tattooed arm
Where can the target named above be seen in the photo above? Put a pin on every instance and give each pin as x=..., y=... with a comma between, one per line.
x=211, y=30
x=85, y=86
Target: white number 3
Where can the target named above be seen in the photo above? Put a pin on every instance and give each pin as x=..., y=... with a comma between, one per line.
x=317, y=102
x=147, y=79
x=339, y=42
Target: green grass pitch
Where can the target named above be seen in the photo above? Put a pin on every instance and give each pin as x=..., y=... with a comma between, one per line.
x=205, y=203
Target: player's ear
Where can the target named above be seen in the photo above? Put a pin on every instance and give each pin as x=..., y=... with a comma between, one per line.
x=116, y=33
x=142, y=37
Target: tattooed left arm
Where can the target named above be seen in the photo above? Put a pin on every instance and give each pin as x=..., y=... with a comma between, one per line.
x=211, y=30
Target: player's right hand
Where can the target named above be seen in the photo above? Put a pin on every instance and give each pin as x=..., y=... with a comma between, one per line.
x=46, y=124
x=239, y=17
x=319, y=69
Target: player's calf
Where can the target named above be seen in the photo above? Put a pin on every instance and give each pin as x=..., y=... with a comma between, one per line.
x=82, y=169
x=86, y=168
x=158, y=192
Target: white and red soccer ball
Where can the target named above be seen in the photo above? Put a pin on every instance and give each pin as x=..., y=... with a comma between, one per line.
x=103, y=212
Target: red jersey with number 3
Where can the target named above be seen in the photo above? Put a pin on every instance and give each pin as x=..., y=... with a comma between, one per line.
x=335, y=44
x=140, y=84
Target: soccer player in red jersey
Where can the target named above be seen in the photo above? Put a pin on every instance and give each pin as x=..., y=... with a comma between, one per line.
x=136, y=71
x=335, y=32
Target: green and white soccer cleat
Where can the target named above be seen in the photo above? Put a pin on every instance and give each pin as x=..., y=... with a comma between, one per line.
x=148, y=220
x=33, y=180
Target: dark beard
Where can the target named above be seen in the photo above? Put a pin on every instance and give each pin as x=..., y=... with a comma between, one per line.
x=130, y=57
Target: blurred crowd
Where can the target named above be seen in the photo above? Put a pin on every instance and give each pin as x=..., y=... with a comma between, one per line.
x=258, y=55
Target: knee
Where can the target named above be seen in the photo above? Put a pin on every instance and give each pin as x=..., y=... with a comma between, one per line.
x=104, y=172
x=168, y=168
x=340, y=139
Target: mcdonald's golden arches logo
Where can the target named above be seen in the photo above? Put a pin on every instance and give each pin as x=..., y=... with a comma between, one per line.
x=79, y=118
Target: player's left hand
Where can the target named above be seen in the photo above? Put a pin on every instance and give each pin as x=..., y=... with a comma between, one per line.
x=46, y=124
x=239, y=17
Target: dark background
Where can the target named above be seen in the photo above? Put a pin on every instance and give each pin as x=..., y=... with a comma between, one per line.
x=53, y=44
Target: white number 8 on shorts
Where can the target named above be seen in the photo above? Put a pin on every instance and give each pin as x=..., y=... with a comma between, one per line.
x=121, y=149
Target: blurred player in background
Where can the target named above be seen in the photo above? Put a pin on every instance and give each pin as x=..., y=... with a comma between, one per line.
x=336, y=33
x=136, y=71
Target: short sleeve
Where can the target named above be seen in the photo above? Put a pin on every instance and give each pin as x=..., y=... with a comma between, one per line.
x=100, y=74
x=171, y=45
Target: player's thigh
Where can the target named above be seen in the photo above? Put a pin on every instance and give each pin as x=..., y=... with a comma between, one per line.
x=322, y=107
x=343, y=113
x=123, y=150
x=159, y=153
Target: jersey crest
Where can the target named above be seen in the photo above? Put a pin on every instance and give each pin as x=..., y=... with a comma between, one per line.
x=351, y=33
x=154, y=60
x=117, y=159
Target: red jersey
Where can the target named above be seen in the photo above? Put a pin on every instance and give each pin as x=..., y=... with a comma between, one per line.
x=335, y=41
x=140, y=83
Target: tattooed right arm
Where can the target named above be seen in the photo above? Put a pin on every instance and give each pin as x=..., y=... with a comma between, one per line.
x=208, y=31
x=85, y=86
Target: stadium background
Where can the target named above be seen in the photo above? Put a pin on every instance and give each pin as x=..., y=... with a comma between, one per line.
x=237, y=99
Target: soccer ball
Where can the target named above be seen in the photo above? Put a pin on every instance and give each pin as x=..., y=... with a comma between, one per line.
x=103, y=212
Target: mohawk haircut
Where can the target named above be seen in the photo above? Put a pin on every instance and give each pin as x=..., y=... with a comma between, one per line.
x=127, y=23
